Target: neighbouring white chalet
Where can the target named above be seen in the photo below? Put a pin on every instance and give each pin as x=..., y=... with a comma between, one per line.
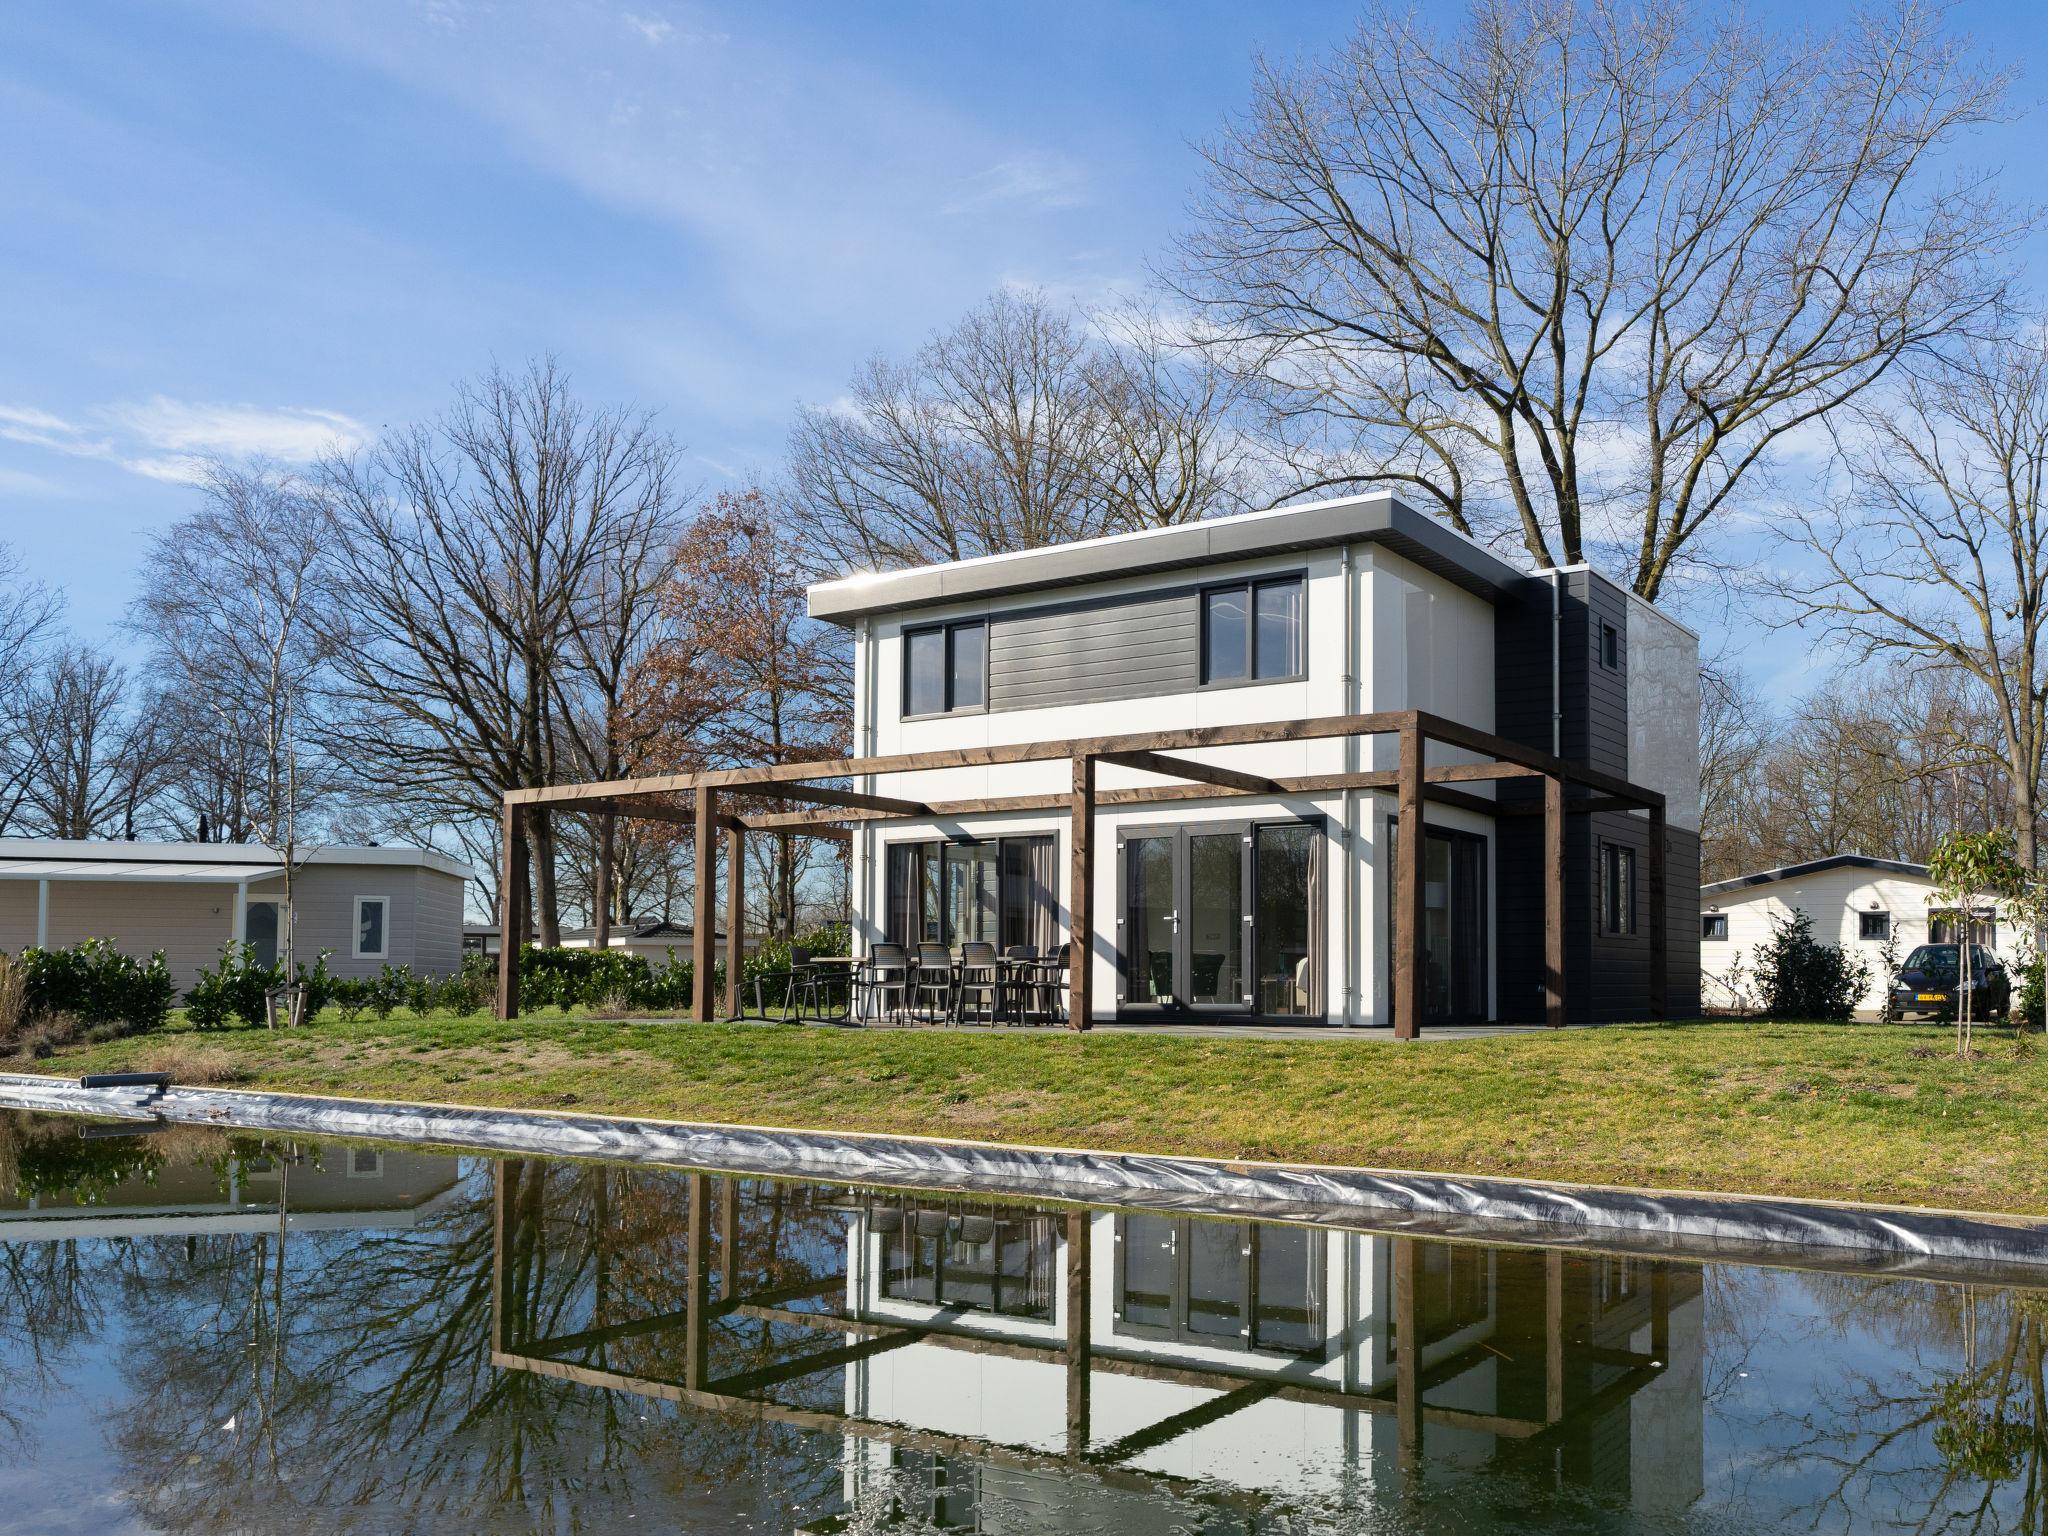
x=1855, y=901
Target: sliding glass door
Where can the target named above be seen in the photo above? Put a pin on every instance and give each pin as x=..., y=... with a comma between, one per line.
x=1221, y=919
x=1453, y=924
x=999, y=892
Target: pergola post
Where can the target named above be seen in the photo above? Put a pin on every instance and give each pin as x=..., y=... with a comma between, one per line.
x=511, y=921
x=1080, y=1342
x=697, y=1285
x=601, y=886
x=1407, y=1358
x=1081, y=898
x=1407, y=873
x=1553, y=1336
x=704, y=935
x=1553, y=901
x=735, y=915
x=1659, y=934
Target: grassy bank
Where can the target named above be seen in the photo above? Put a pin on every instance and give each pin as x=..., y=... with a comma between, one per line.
x=1851, y=1111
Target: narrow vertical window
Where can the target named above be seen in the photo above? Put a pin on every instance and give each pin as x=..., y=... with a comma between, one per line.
x=924, y=678
x=370, y=928
x=1610, y=647
x=1280, y=644
x=968, y=644
x=1223, y=635
x=1617, y=889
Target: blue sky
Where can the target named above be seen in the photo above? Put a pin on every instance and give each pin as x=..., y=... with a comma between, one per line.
x=252, y=227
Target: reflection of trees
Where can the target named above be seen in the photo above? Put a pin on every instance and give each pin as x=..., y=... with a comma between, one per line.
x=1951, y=1434
x=355, y=1371
x=48, y=1302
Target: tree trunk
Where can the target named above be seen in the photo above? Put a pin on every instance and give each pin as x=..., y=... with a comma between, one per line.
x=785, y=885
x=547, y=914
x=521, y=931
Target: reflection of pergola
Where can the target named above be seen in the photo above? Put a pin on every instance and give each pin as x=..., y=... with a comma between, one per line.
x=832, y=808
x=1080, y=1355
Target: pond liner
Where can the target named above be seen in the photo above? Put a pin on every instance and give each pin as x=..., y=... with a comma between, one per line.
x=1889, y=1239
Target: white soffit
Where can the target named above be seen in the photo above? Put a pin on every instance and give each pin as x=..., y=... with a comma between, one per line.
x=139, y=869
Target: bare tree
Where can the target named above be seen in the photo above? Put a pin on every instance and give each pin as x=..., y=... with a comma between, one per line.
x=94, y=762
x=1937, y=555
x=467, y=556
x=1022, y=426
x=1574, y=272
x=28, y=622
x=226, y=604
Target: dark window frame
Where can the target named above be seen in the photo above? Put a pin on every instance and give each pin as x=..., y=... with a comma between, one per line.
x=1865, y=921
x=1714, y=927
x=927, y=862
x=1249, y=587
x=1610, y=646
x=949, y=629
x=1617, y=915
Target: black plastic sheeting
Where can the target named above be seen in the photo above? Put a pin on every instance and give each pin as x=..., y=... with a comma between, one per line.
x=1887, y=1239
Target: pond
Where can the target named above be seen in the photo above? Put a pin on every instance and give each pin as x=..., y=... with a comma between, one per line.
x=211, y=1332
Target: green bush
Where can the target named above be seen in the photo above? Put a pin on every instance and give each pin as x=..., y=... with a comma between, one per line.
x=1799, y=977
x=232, y=989
x=2032, y=996
x=93, y=981
x=349, y=994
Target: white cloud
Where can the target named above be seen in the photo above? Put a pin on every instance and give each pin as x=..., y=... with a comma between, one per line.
x=1031, y=180
x=165, y=439
x=652, y=28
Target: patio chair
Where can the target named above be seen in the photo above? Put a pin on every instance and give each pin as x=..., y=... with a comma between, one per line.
x=932, y=981
x=981, y=978
x=885, y=976
x=1022, y=960
x=799, y=982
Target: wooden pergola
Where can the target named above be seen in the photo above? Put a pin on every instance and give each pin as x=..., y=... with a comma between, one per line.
x=828, y=811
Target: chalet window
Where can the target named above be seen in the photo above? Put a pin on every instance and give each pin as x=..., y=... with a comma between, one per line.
x=945, y=668
x=1713, y=925
x=1255, y=631
x=1001, y=892
x=1876, y=926
x=1617, y=889
x=1945, y=930
x=1610, y=647
x=1221, y=1284
x=370, y=935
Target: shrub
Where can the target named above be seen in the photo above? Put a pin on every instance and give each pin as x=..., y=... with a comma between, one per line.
x=232, y=989
x=2029, y=1004
x=351, y=994
x=1801, y=978
x=390, y=988
x=465, y=993
x=318, y=982
x=97, y=984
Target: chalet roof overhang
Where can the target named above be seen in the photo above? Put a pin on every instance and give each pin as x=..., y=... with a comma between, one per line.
x=1380, y=518
x=1816, y=867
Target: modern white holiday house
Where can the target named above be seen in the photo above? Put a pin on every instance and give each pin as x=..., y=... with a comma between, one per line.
x=1197, y=748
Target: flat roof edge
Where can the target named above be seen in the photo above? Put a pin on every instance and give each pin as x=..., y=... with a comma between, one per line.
x=1380, y=518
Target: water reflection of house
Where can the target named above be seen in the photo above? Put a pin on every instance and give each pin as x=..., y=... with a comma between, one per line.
x=1005, y=1363
x=331, y=1188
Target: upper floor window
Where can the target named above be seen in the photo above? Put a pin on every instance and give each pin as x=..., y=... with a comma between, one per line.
x=1610, y=647
x=945, y=668
x=1255, y=631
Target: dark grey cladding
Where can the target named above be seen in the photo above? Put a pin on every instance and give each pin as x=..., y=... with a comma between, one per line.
x=1887, y=1238
x=1377, y=519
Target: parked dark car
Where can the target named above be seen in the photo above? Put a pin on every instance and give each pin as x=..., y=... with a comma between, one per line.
x=1927, y=984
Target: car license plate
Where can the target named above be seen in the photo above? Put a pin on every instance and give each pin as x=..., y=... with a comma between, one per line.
x=1933, y=997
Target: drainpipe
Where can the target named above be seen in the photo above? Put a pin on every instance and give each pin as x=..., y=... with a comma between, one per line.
x=864, y=746
x=1352, y=876
x=42, y=914
x=1556, y=663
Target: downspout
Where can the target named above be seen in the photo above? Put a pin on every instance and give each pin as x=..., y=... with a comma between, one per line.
x=1556, y=663
x=1351, y=865
x=42, y=914
x=865, y=747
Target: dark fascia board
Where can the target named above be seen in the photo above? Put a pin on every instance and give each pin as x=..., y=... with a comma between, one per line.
x=1376, y=519
x=1814, y=867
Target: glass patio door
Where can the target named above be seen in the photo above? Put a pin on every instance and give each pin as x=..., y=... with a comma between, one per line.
x=1453, y=920
x=1208, y=911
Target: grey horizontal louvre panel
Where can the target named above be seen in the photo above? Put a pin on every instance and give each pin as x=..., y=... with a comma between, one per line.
x=1078, y=655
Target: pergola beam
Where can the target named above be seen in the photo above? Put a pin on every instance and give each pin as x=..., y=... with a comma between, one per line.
x=1200, y=773
x=850, y=799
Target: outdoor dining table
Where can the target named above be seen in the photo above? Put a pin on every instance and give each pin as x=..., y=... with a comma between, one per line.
x=1013, y=973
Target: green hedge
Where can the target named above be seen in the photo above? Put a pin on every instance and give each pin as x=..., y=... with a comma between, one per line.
x=97, y=984
x=595, y=978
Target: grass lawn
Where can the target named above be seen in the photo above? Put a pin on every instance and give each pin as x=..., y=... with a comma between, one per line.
x=1855, y=1111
